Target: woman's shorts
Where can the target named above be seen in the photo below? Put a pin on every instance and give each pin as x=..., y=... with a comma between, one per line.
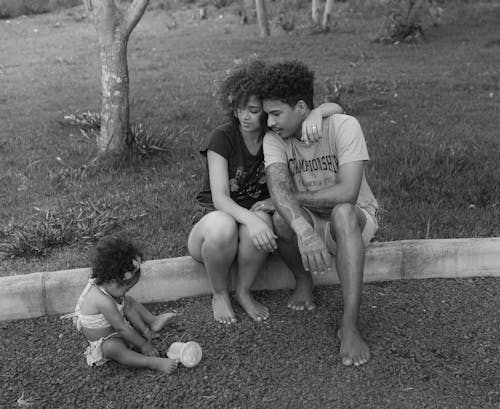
x=322, y=227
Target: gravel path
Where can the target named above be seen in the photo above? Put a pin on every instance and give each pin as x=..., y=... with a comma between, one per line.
x=435, y=344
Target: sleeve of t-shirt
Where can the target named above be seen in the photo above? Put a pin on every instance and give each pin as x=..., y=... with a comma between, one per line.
x=274, y=149
x=218, y=141
x=350, y=141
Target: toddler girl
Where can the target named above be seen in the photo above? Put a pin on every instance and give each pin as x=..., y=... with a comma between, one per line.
x=112, y=322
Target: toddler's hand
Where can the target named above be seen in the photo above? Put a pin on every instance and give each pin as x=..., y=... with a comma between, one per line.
x=149, y=350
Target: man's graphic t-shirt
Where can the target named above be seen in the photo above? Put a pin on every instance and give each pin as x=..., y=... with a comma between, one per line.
x=247, y=179
x=315, y=166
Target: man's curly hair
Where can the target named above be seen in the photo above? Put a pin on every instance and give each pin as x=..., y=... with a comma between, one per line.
x=112, y=258
x=289, y=82
x=237, y=88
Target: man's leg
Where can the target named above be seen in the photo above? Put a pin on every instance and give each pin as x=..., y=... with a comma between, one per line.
x=302, y=297
x=347, y=223
x=214, y=242
x=250, y=261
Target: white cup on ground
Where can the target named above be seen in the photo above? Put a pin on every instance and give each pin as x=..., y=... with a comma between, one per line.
x=187, y=353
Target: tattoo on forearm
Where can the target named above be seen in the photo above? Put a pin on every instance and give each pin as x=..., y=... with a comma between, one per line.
x=280, y=186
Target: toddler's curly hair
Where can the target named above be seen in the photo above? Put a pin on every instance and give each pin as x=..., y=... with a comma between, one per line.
x=112, y=257
x=289, y=82
x=236, y=89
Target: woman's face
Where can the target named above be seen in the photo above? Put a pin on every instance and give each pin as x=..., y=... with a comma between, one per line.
x=250, y=115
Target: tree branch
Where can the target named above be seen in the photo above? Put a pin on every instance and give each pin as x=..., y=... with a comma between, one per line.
x=134, y=13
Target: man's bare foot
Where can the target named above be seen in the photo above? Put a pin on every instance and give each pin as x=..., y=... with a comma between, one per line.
x=223, y=311
x=161, y=320
x=256, y=311
x=353, y=348
x=165, y=365
x=302, y=297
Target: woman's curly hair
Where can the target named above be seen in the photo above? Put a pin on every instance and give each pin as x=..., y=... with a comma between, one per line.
x=289, y=82
x=112, y=258
x=236, y=89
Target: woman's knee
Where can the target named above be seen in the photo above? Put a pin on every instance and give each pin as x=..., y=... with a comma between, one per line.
x=220, y=229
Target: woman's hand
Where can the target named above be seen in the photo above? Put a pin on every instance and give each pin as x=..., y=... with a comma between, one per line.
x=266, y=205
x=261, y=234
x=312, y=127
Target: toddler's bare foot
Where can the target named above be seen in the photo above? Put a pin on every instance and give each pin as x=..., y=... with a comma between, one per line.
x=223, y=311
x=254, y=309
x=353, y=349
x=302, y=297
x=165, y=365
x=161, y=320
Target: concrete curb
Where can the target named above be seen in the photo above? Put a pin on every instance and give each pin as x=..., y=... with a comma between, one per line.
x=37, y=294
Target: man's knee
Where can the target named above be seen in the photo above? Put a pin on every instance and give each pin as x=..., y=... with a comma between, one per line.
x=344, y=217
x=281, y=227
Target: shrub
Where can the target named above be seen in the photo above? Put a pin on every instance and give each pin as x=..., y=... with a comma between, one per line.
x=144, y=141
x=82, y=223
x=406, y=20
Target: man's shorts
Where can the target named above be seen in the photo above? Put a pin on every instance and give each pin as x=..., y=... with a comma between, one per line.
x=321, y=225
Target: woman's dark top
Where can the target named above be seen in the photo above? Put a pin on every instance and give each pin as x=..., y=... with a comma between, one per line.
x=247, y=178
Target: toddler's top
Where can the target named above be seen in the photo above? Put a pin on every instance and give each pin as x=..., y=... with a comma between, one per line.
x=93, y=321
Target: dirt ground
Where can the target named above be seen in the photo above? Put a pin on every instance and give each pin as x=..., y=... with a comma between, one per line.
x=434, y=345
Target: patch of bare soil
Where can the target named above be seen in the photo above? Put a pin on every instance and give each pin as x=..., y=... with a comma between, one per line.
x=434, y=345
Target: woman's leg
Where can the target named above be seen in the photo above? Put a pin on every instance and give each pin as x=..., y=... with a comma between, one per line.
x=250, y=262
x=116, y=349
x=213, y=241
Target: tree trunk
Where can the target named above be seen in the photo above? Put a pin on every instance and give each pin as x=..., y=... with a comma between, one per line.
x=113, y=30
x=262, y=18
x=315, y=12
x=327, y=15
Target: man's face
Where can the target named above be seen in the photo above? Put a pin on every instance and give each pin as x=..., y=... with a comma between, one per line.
x=283, y=119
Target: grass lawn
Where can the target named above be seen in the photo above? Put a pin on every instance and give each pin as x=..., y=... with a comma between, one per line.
x=430, y=113
x=431, y=117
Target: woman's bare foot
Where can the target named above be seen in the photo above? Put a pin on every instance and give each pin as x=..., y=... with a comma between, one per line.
x=223, y=311
x=163, y=319
x=353, y=348
x=165, y=365
x=302, y=297
x=256, y=311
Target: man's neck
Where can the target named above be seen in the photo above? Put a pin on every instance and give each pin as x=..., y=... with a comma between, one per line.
x=298, y=133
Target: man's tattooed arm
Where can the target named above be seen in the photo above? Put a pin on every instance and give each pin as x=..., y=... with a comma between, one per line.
x=280, y=187
x=345, y=190
x=315, y=256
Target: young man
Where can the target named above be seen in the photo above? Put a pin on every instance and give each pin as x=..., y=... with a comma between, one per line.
x=323, y=204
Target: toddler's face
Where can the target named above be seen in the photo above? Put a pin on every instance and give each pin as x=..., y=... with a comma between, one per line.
x=120, y=288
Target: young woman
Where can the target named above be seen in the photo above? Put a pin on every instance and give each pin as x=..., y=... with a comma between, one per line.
x=236, y=225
